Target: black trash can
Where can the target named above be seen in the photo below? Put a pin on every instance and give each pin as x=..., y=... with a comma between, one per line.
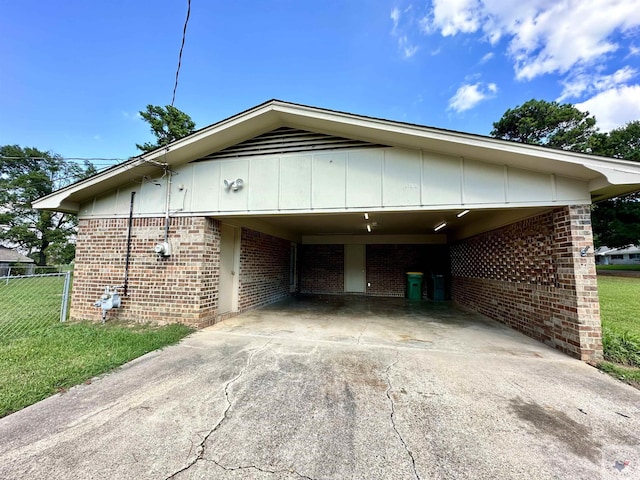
x=414, y=285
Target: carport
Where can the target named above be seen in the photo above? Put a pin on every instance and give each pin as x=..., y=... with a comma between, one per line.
x=285, y=198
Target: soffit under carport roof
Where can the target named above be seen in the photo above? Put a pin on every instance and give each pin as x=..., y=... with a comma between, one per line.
x=385, y=223
x=609, y=176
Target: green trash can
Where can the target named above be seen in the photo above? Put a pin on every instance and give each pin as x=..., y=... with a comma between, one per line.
x=414, y=285
x=438, y=287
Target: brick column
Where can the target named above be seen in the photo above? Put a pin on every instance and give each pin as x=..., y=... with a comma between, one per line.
x=579, y=309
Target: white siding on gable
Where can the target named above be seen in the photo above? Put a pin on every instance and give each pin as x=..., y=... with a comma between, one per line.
x=123, y=202
x=441, y=179
x=328, y=180
x=484, y=183
x=265, y=185
x=342, y=180
x=205, y=187
x=152, y=197
x=524, y=185
x=231, y=170
x=570, y=189
x=364, y=178
x=295, y=182
x=402, y=175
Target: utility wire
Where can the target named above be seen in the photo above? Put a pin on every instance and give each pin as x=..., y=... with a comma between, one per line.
x=184, y=36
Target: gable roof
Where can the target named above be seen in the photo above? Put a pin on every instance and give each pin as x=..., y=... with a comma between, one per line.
x=607, y=177
x=8, y=255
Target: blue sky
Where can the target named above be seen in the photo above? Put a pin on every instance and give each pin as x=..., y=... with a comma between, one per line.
x=74, y=74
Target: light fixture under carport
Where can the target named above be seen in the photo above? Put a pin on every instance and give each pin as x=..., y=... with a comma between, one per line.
x=462, y=213
x=440, y=227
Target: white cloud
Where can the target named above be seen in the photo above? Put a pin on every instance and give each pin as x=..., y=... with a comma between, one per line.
x=408, y=50
x=402, y=23
x=485, y=58
x=131, y=116
x=590, y=83
x=544, y=36
x=395, y=18
x=614, y=107
x=469, y=95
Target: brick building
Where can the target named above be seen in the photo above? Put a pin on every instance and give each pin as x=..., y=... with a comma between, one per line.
x=287, y=198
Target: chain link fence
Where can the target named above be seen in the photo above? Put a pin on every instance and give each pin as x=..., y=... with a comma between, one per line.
x=30, y=304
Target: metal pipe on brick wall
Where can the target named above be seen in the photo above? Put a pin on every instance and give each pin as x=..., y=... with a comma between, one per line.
x=128, y=257
x=168, y=205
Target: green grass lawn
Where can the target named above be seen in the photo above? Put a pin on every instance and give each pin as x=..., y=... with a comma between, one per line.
x=620, y=313
x=37, y=366
x=634, y=268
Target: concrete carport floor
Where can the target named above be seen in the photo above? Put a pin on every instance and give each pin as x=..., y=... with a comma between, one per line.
x=337, y=387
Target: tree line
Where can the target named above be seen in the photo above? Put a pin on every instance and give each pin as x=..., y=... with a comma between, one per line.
x=27, y=174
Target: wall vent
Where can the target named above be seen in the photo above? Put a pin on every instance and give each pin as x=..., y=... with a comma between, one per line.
x=287, y=140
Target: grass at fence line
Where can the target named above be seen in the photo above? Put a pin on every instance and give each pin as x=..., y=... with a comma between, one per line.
x=65, y=355
x=634, y=268
x=620, y=313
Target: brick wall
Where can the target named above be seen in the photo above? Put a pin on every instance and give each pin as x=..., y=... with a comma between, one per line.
x=530, y=275
x=182, y=287
x=264, y=269
x=321, y=268
x=387, y=267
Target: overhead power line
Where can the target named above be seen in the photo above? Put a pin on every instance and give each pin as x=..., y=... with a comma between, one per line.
x=184, y=36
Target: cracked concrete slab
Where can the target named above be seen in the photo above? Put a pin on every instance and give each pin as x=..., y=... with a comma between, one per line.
x=328, y=388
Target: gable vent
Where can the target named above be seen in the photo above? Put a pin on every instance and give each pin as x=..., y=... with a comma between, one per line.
x=287, y=140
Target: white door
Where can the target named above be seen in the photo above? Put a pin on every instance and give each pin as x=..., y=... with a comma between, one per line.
x=228, y=287
x=355, y=277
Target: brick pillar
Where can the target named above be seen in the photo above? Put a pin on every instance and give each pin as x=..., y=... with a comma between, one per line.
x=578, y=310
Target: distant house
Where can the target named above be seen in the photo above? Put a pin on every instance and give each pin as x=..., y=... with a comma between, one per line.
x=10, y=258
x=629, y=255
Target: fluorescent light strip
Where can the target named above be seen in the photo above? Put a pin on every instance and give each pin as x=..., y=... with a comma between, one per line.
x=463, y=213
x=441, y=226
x=366, y=216
x=368, y=228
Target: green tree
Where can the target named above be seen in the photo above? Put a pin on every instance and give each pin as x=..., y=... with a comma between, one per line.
x=616, y=222
x=167, y=124
x=25, y=175
x=623, y=142
x=551, y=124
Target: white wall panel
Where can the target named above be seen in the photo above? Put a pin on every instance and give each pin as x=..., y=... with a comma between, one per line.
x=152, y=196
x=328, y=180
x=364, y=178
x=572, y=189
x=234, y=200
x=264, y=174
x=483, y=182
x=206, y=187
x=295, y=182
x=103, y=204
x=441, y=179
x=527, y=186
x=401, y=181
x=124, y=199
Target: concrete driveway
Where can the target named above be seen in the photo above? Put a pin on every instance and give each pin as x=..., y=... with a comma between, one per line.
x=336, y=387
